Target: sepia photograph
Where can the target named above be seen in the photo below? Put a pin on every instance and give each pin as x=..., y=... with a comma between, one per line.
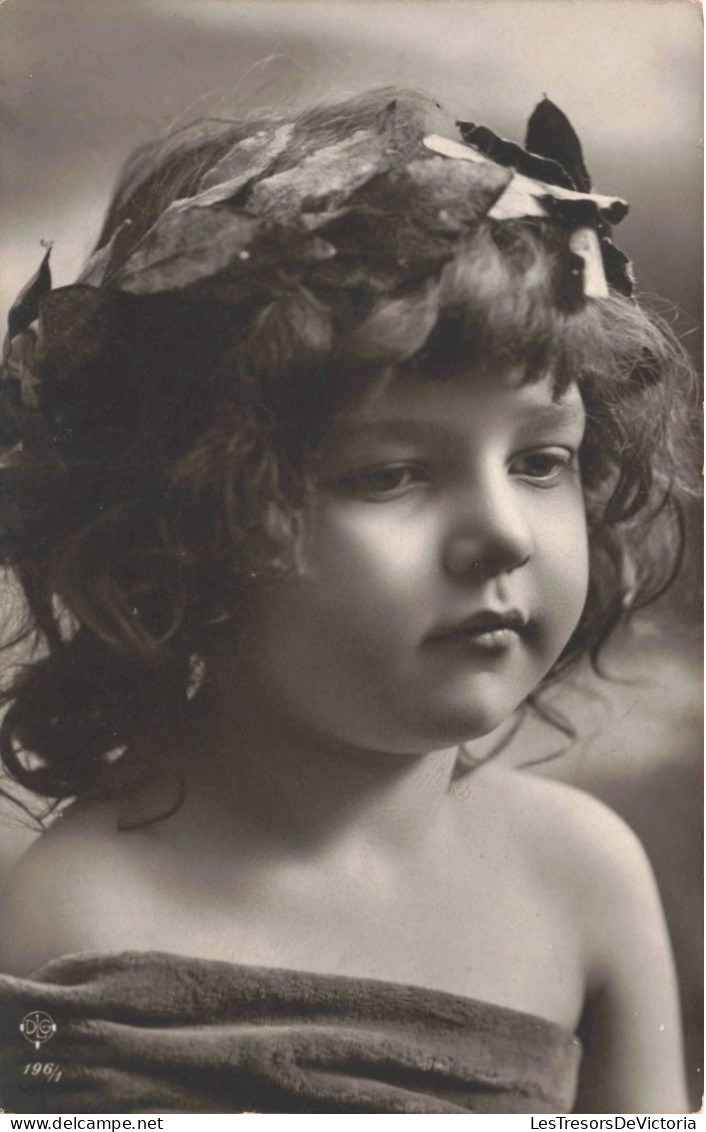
x=351, y=605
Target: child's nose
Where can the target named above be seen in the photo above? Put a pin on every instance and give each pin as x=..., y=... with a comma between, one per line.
x=490, y=534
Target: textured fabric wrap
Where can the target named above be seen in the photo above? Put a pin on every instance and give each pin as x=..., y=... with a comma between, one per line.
x=153, y=1032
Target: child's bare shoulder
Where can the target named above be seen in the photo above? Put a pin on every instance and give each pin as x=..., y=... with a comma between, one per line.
x=571, y=836
x=588, y=857
x=585, y=856
x=57, y=898
x=542, y=808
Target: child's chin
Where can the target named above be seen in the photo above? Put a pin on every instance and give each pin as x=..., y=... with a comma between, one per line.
x=461, y=725
x=470, y=716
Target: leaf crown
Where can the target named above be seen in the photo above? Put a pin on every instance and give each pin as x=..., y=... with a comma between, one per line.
x=362, y=214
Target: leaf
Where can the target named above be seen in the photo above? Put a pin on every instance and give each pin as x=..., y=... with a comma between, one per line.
x=508, y=153
x=96, y=271
x=25, y=308
x=323, y=180
x=618, y=267
x=573, y=208
x=20, y=365
x=247, y=159
x=464, y=190
x=397, y=229
x=523, y=195
x=187, y=245
x=551, y=135
x=74, y=325
x=517, y=202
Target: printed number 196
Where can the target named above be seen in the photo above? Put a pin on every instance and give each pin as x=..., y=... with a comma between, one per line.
x=47, y=1069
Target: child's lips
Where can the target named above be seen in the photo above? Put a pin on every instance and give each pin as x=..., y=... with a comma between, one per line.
x=488, y=630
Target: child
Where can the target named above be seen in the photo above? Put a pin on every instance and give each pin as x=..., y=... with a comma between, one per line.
x=349, y=438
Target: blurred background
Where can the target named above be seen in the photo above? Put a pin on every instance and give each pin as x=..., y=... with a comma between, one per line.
x=85, y=81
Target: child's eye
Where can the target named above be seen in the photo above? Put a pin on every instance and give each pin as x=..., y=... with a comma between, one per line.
x=545, y=466
x=385, y=482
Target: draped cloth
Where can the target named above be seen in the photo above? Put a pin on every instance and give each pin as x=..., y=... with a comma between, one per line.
x=154, y=1032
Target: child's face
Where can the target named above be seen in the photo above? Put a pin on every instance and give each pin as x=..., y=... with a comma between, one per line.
x=445, y=565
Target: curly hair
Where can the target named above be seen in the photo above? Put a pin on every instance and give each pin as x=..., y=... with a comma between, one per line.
x=180, y=423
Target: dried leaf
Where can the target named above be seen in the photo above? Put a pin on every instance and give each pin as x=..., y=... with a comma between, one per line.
x=517, y=202
x=464, y=191
x=382, y=243
x=323, y=180
x=19, y=385
x=75, y=322
x=25, y=308
x=97, y=270
x=185, y=246
x=20, y=364
x=450, y=147
x=572, y=206
x=551, y=135
x=525, y=195
x=618, y=267
x=247, y=159
x=510, y=154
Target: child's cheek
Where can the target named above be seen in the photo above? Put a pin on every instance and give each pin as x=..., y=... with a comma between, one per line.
x=567, y=574
x=367, y=556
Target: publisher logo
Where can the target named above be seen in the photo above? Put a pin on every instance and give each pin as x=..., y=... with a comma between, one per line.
x=37, y=1027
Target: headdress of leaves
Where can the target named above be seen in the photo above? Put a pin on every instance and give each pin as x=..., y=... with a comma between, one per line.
x=553, y=154
x=357, y=218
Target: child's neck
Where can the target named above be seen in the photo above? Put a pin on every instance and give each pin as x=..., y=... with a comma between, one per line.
x=296, y=791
